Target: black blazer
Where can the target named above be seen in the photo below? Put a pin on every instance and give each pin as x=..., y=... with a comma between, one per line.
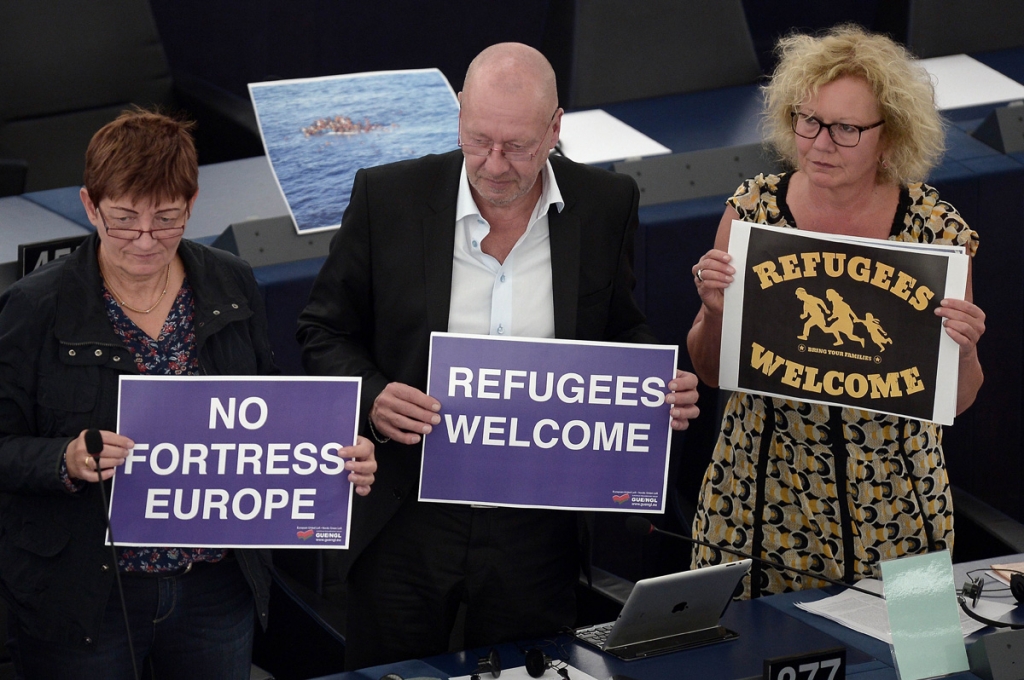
x=386, y=285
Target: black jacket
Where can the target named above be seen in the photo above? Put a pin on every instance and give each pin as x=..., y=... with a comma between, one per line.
x=386, y=285
x=59, y=366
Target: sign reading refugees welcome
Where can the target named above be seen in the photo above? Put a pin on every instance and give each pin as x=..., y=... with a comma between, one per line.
x=548, y=423
x=234, y=462
x=842, y=320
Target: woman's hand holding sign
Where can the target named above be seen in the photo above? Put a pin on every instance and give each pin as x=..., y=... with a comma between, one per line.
x=360, y=463
x=965, y=323
x=712, y=275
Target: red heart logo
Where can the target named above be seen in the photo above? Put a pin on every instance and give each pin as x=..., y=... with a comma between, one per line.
x=304, y=534
x=621, y=498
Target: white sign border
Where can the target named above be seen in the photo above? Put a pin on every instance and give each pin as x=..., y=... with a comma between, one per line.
x=957, y=262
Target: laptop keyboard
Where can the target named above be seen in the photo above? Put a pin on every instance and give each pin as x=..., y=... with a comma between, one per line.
x=596, y=635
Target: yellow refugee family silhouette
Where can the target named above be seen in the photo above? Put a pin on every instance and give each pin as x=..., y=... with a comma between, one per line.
x=843, y=318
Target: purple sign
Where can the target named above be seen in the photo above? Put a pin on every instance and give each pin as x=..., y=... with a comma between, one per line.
x=548, y=423
x=234, y=462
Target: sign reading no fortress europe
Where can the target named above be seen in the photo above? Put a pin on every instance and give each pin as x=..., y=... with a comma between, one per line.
x=234, y=462
x=548, y=423
x=842, y=320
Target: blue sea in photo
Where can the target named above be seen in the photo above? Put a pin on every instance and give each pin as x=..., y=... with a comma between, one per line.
x=394, y=116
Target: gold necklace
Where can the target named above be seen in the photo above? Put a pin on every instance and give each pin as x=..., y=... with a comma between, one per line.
x=120, y=299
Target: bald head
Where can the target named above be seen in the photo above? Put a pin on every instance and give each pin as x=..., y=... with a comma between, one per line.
x=512, y=69
x=509, y=103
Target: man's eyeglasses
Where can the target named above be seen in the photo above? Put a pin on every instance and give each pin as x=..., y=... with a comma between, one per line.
x=843, y=134
x=126, y=227
x=510, y=155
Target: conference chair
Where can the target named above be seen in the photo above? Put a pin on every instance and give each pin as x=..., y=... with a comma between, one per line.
x=304, y=637
x=937, y=28
x=607, y=51
x=12, y=176
x=67, y=68
x=983, y=531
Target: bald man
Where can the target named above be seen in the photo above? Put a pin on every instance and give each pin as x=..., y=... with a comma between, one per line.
x=494, y=239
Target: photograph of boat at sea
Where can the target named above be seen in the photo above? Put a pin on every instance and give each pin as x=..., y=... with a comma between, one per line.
x=317, y=132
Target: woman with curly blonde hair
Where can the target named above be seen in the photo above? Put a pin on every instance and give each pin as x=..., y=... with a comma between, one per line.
x=834, y=490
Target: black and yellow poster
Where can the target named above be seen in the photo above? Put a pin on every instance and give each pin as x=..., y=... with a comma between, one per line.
x=842, y=320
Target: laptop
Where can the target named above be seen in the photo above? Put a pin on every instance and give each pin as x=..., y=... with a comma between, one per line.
x=670, y=613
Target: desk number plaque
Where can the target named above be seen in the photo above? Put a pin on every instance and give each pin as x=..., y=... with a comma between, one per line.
x=824, y=664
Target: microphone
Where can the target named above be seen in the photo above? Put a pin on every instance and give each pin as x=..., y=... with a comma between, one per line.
x=537, y=662
x=642, y=527
x=488, y=664
x=973, y=589
x=94, y=446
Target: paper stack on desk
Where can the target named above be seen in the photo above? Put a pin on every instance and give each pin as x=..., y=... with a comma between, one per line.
x=596, y=136
x=867, y=615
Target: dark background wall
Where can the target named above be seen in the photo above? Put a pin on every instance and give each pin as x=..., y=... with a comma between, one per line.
x=234, y=42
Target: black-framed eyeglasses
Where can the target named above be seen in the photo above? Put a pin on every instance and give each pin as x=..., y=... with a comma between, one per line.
x=843, y=134
x=510, y=155
x=162, y=227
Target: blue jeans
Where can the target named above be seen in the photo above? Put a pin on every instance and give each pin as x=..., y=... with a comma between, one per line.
x=198, y=626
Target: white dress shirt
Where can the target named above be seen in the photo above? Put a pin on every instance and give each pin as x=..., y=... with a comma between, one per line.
x=510, y=298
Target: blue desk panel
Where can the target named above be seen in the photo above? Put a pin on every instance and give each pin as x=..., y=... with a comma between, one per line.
x=700, y=120
x=285, y=290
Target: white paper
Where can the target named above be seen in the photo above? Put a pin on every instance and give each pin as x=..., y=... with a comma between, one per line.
x=962, y=81
x=596, y=136
x=866, y=614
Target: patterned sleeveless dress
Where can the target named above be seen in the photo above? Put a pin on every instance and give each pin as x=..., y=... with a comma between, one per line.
x=825, y=489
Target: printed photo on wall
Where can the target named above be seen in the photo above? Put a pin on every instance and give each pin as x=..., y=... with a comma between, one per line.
x=842, y=320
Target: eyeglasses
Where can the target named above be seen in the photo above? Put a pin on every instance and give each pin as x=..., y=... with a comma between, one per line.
x=510, y=155
x=162, y=227
x=843, y=134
